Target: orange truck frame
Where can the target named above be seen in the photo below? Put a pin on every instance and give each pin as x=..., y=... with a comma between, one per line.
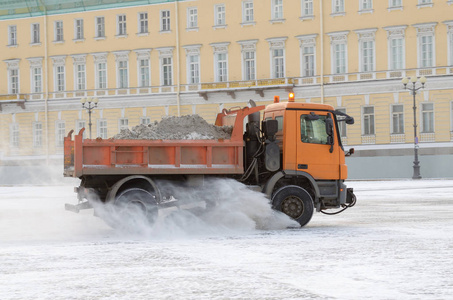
x=294, y=156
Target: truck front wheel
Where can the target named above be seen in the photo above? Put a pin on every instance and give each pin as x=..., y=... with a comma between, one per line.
x=295, y=202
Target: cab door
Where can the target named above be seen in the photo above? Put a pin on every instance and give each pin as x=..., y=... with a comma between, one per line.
x=315, y=154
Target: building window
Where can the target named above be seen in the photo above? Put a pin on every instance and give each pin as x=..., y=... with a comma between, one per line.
x=80, y=77
x=426, y=51
x=339, y=55
x=165, y=20
x=249, y=65
x=37, y=134
x=35, y=35
x=277, y=9
x=220, y=18
x=342, y=123
x=368, y=120
x=167, y=72
x=145, y=120
x=58, y=31
x=337, y=6
x=36, y=79
x=59, y=78
x=13, y=81
x=102, y=128
x=221, y=64
x=427, y=117
x=123, y=124
x=395, y=3
x=101, y=75
x=192, y=17
x=121, y=25
x=143, y=22
x=78, y=29
x=79, y=125
x=396, y=54
x=144, y=72
x=247, y=11
x=123, y=76
x=194, y=68
x=100, y=27
x=12, y=35
x=59, y=133
x=307, y=8
x=366, y=4
x=367, y=55
x=397, y=119
x=278, y=63
x=14, y=135
x=308, y=61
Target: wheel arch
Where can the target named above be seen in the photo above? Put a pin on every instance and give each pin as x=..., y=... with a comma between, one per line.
x=130, y=182
x=271, y=184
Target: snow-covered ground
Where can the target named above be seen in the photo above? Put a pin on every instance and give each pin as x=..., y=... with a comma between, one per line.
x=396, y=243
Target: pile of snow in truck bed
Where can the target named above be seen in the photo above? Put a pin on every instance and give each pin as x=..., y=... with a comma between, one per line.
x=190, y=127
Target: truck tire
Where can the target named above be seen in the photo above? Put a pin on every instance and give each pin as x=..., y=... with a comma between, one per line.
x=295, y=202
x=136, y=206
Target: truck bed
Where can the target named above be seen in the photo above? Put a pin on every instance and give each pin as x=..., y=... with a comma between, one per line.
x=158, y=157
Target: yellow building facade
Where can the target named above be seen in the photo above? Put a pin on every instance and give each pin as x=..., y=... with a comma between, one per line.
x=144, y=60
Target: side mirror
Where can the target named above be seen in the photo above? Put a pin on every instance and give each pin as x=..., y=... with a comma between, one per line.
x=270, y=128
x=329, y=131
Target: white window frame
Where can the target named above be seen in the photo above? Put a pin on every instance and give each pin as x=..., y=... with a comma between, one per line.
x=396, y=33
x=192, y=18
x=100, y=58
x=425, y=3
x=79, y=124
x=366, y=6
x=123, y=124
x=367, y=50
x=277, y=63
x=13, y=81
x=122, y=64
x=60, y=78
x=143, y=23
x=307, y=41
x=277, y=10
x=220, y=61
x=342, y=128
x=37, y=134
x=165, y=20
x=429, y=113
x=100, y=27
x=36, y=79
x=307, y=8
x=248, y=13
x=14, y=135
x=35, y=34
x=371, y=128
x=338, y=7
x=423, y=31
x=166, y=66
x=219, y=15
x=79, y=34
x=395, y=4
x=121, y=25
x=102, y=128
x=249, y=64
x=339, y=39
x=12, y=35
x=144, y=72
x=193, y=68
x=80, y=77
x=399, y=116
x=145, y=120
x=60, y=130
x=58, y=31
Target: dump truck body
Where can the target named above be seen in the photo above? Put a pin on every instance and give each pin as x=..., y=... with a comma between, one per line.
x=294, y=155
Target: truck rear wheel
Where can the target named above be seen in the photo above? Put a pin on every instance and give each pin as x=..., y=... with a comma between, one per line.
x=135, y=206
x=295, y=202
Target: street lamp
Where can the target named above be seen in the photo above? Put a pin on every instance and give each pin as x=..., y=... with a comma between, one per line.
x=414, y=90
x=89, y=103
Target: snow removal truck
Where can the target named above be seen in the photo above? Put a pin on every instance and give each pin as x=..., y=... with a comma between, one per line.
x=293, y=154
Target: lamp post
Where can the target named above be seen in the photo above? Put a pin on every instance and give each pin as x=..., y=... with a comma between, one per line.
x=413, y=89
x=89, y=104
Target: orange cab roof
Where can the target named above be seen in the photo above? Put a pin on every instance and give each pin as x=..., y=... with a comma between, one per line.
x=301, y=105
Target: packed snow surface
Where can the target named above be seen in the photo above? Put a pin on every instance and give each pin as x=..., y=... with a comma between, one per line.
x=189, y=127
x=396, y=243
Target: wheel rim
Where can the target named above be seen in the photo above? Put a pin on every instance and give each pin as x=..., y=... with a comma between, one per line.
x=293, y=206
x=135, y=203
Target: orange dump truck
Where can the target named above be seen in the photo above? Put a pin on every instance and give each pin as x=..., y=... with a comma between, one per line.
x=294, y=155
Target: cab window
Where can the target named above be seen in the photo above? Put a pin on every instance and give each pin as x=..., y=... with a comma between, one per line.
x=280, y=122
x=313, y=130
